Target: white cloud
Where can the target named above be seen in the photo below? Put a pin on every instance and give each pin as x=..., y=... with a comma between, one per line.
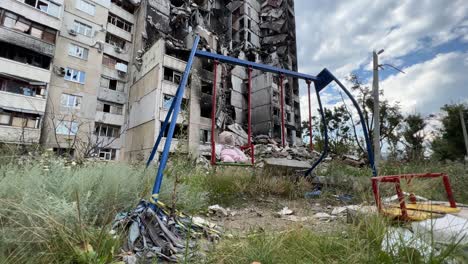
x=340, y=35
x=429, y=85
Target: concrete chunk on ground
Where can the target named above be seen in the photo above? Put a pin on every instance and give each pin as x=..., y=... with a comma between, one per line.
x=284, y=162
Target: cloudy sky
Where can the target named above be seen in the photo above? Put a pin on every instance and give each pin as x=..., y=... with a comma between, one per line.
x=426, y=39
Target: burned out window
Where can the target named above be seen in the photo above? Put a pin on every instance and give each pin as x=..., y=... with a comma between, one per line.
x=180, y=130
x=125, y=5
x=109, y=107
x=115, y=41
x=241, y=23
x=112, y=84
x=168, y=99
x=20, y=54
x=111, y=62
x=205, y=136
x=206, y=87
x=172, y=75
x=249, y=24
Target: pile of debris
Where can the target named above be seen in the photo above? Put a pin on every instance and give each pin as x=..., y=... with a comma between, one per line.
x=158, y=234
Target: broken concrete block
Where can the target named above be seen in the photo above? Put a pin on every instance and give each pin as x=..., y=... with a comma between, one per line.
x=284, y=162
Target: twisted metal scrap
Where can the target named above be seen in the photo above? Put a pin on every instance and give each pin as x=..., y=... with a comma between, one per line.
x=157, y=234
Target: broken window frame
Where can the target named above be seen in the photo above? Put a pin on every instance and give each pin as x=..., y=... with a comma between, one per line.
x=70, y=101
x=179, y=130
x=11, y=85
x=73, y=75
x=45, y=6
x=109, y=107
x=106, y=84
x=106, y=130
x=172, y=75
x=78, y=51
x=107, y=153
x=204, y=136
x=125, y=5
x=167, y=101
x=115, y=41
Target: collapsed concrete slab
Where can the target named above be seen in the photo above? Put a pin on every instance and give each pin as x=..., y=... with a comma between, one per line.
x=287, y=163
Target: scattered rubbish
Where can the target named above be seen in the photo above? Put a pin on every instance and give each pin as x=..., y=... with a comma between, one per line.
x=449, y=229
x=158, y=234
x=285, y=211
x=399, y=239
x=345, y=198
x=324, y=216
x=216, y=209
x=394, y=198
x=313, y=194
x=339, y=210
x=295, y=218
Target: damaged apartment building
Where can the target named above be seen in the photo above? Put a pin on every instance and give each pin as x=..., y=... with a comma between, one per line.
x=96, y=77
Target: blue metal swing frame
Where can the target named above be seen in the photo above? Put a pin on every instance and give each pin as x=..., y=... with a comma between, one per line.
x=320, y=81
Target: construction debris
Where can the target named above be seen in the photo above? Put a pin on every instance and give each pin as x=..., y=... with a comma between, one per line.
x=156, y=234
x=285, y=211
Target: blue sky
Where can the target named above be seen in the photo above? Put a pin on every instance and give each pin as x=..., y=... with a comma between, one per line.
x=427, y=39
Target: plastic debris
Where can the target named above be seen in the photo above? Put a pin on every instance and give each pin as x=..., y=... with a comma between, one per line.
x=216, y=209
x=398, y=239
x=285, y=211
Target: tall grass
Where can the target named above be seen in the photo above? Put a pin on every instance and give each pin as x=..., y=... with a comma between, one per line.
x=351, y=244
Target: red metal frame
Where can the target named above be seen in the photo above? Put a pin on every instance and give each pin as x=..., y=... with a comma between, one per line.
x=310, y=117
x=409, y=177
x=249, y=120
x=282, y=110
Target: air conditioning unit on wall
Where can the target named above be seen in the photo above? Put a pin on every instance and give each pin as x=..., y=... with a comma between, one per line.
x=118, y=49
x=72, y=32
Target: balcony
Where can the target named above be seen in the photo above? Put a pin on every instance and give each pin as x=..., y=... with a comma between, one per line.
x=112, y=73
x=171, y=88
x=27, y=41
x=174, y=63
x=119, y=32
x=31, y=12
x=24, y=70
x=118, y=11
x=9, y=134
x=123, y=55
x=112, y=96
x=22, y=103
x=107, y=142
x=108, y=118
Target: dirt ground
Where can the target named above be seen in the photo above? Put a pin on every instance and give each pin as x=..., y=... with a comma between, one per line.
x=262, y=214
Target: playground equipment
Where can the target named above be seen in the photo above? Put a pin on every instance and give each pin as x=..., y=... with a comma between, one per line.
x=322, y=80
